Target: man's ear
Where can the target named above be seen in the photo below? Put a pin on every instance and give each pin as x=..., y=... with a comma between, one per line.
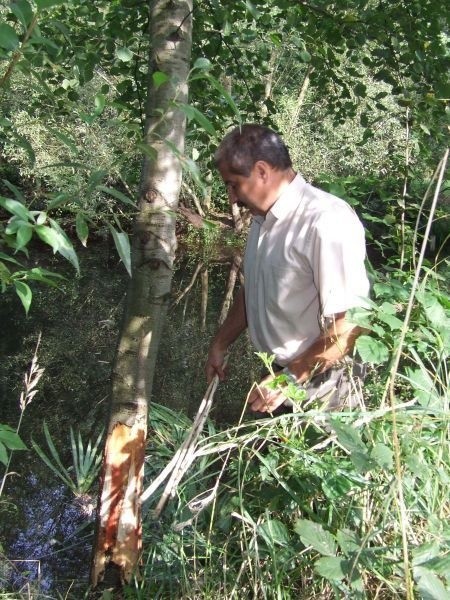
x=262, y=170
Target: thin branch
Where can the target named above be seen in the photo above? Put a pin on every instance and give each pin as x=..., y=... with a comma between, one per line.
x=18, y=53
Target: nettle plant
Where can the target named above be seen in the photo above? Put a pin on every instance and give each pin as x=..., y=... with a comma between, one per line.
x=427, y=338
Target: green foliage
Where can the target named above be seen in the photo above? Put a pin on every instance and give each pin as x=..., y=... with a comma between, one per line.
x=9, y=440
x=427, y=340
x=86, y=461
x=301, y=506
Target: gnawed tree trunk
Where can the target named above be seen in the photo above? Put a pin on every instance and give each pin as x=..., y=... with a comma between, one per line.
x=118, y=538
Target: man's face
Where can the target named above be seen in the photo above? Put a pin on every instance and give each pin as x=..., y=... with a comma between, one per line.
x=248, y=191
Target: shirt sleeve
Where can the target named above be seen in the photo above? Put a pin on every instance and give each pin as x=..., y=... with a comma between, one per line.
x=337, y=257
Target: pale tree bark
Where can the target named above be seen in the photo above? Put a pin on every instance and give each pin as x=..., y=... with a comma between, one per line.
x=118, y=539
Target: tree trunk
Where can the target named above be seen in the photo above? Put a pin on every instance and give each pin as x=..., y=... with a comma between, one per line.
x=118, y=538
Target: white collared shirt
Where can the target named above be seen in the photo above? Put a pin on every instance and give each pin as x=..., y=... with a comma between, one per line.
x=304, y=261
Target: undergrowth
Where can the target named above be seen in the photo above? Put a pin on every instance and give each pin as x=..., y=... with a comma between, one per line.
x=303, y=506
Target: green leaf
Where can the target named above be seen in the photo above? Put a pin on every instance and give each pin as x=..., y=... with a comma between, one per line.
x=23, y=11
x=360, y=90
x=433, y=309
x=429, y=586
x=16, y=208
x=25, y=144
x=219, y=87
x=274, y=532
x=17, y=193
x=24, y=293
x=348, y=436
x=383, y=456
x=82, y=228
x=4, y=256
x=123, y=247
x=124, y=54
x=159, y=78
x=350, y=439
x=391, y=320
x=305, y=56
x=10, y=438
x=65, y=139
x=371, y=350
x=49, y=236
x=116, y=194
x=193, y=113
x=313, y=534
x=3, y=454
x=348, y=541
x=65, y=248
x=8, y=37
x=202, y=63
x=333, y=568
x=23, y=235
x=252, y=9
x=99, y=103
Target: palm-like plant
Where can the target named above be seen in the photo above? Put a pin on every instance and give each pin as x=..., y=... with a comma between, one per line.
x=86, y=461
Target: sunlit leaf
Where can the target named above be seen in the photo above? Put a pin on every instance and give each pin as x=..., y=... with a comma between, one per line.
x=305, y=56
x=123, y=247
x=333, y=568
x=15, y=207
x=382, y=455
x=429, y=586
x=99, y=102
x=371, y=350
x=65, y=248
x=314, y=535
x=82, y=228
x=23, y=236
x=252, y=9
x=24, y=293
x=159, y=78
x=274, y=532
x=124, y=54
x=202, y=63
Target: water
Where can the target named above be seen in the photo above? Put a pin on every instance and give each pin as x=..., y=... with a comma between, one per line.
x=45, y=531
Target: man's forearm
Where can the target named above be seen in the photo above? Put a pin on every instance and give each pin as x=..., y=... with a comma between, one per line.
x=329, y=348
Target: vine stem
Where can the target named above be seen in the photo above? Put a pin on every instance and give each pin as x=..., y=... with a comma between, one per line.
x=394, y=369
x=18, y=52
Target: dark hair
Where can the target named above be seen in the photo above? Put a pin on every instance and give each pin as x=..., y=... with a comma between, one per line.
x=242, y=147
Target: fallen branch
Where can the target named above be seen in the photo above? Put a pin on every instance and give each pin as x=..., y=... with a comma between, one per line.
x=185, y=455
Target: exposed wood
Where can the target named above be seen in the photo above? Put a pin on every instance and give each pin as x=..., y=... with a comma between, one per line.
x=118, y=538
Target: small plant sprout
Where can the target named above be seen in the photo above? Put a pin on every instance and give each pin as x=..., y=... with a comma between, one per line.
x=282, y=382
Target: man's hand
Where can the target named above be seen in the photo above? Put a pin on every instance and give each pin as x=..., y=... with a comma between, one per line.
x=265, y=399
x=214, y=363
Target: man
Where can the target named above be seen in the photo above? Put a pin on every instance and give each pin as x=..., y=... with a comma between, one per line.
x=303, y=269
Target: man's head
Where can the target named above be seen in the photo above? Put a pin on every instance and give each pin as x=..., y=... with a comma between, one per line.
x=242, y=147
x=255, y=166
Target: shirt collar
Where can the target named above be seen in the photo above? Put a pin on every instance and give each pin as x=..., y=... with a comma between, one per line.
x=286, y=202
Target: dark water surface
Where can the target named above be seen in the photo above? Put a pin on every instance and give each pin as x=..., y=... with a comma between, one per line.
x=45, y=531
